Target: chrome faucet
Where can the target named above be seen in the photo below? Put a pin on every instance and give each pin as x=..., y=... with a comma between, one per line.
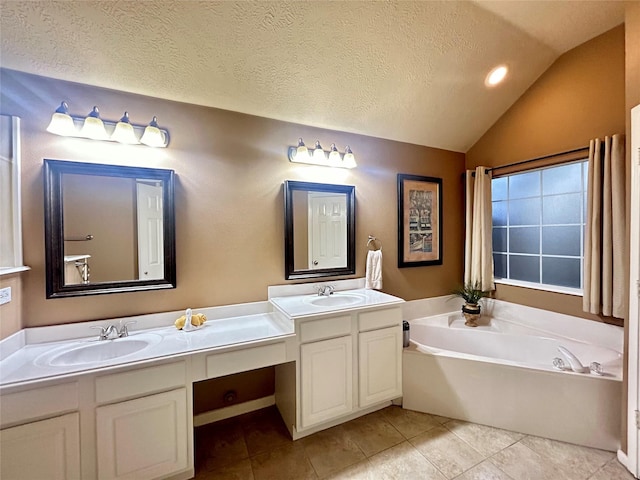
x=111, y=332
x=107, y=333
x=576, y=366
x=325, y=290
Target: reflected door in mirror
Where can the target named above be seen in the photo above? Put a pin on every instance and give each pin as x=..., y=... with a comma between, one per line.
x=108, y=228
x=319, y=229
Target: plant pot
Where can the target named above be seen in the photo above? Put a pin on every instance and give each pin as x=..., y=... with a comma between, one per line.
x=471, y=312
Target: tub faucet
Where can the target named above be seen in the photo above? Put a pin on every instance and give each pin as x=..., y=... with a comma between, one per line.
x=576, y=366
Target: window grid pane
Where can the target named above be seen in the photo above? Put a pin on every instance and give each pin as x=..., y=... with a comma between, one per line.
x=522, y=202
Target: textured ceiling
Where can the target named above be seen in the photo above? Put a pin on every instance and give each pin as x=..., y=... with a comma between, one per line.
x=407, y=71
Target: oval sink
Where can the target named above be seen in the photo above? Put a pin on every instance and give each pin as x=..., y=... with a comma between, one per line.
x=98, y=351
x=336, y=300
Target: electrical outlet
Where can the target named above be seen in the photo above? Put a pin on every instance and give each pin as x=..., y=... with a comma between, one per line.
x=5, y=295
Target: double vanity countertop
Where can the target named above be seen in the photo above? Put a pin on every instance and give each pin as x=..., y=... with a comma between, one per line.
x=43, y=353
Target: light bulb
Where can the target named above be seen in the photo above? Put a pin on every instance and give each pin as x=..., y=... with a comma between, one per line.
x=123, y=132
x=302, y=152
x=349, y=159
x=152, y=135
x=61, y=122
x=93, y=127
x=496, y=76
x=318, y=153
x=334, y=156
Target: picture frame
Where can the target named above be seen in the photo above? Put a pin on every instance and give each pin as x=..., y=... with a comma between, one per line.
x=419, y=221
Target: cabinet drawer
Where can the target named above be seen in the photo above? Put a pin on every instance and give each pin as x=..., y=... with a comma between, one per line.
x=142, y=381
x=326, y=328
x=221, y=364
x=379, y=319
x=43, y=402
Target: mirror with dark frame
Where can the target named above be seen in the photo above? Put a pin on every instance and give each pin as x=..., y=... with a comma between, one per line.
x=319, y=230
x=108, y=229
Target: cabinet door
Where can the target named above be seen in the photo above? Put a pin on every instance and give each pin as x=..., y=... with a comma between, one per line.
x=143, y=438
x=380, y=365
x=327, y=380
x=46, y=449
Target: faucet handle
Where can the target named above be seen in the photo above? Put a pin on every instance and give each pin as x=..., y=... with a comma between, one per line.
x=103, y=331
x=331, y=288
x=124, y=332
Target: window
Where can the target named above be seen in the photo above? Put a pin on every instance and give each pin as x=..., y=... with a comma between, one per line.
x=10, y=219
x=539, y=225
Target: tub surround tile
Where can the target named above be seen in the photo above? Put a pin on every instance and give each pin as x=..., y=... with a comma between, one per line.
x=284, y=463
x=486, y=440
x=373, y=433
x=450, y=454
x=613, y=470
x=408, y=422
x=522, y=463
x=582, y=461
x=331, y=451
x=484, y=471
x=403, y=462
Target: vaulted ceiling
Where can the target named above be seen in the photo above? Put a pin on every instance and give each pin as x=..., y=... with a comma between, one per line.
x=411, y=71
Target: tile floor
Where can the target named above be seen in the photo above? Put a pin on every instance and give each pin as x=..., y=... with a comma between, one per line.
x=391, y=444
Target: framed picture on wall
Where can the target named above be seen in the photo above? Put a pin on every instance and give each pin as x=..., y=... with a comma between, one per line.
x=419, y=221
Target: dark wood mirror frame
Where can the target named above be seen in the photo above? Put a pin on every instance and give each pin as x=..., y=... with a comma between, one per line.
x=350, y=269
x=54, y=228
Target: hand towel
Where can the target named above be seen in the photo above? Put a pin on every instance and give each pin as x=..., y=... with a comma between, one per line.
x=373, y=273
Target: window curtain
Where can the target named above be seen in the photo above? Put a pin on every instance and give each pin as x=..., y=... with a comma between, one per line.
x=478, y=263
x=604, y=270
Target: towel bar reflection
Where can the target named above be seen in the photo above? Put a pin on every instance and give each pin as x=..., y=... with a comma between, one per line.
x=86, y=238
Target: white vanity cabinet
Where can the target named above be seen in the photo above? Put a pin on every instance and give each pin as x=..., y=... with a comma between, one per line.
x=379, y=356
x=326, y=376
x=44, y=449
x=349, y=364
x=145, y=437
x=40, y=436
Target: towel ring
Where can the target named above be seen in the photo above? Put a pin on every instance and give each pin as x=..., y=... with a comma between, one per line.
x=372, y=242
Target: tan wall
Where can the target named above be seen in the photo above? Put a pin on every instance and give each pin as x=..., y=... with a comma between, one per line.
x=300, y=207
x=580, y=97
x=229, y=198
x=102, y=207
x=11, y=313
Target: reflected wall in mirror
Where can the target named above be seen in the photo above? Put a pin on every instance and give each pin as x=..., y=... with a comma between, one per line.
x=108, y=228
x=319, y=230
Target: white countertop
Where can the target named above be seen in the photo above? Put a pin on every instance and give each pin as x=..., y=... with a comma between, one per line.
x=29, y=362
x=301, y=306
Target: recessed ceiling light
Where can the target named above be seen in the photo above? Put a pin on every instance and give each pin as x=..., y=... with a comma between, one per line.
x=496, y=76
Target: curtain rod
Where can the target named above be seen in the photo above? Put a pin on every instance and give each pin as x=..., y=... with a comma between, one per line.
x=522, y=162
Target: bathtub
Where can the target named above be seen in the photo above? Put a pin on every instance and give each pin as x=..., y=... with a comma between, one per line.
x=501, y=373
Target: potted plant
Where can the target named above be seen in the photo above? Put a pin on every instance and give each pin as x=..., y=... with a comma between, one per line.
x=471, y=293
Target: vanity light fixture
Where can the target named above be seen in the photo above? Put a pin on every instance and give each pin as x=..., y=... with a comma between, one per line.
x=123, y=132
x=61, y=122
x=95, y=128
x=332, y=158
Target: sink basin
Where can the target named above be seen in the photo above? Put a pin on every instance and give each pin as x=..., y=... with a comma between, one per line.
x=97, y=351
x=336, y=300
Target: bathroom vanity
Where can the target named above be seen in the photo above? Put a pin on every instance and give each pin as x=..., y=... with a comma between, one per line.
x=123, y=408
x=348, y=352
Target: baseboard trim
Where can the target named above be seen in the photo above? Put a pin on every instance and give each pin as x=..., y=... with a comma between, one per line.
x=233, y=410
